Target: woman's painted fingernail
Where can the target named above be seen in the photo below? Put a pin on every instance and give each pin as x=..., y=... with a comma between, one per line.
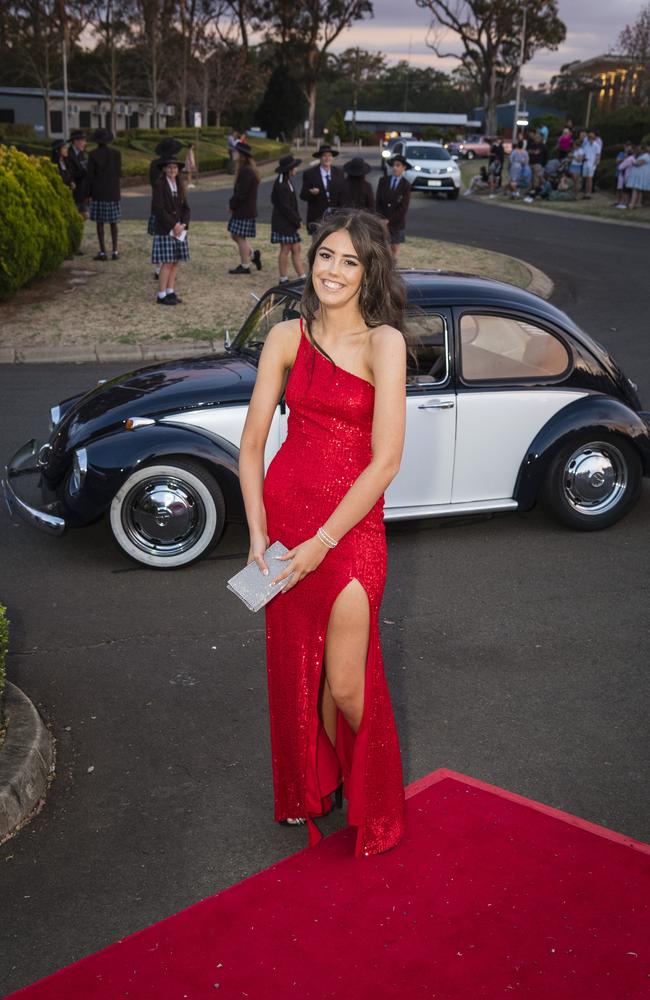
x=265, y=572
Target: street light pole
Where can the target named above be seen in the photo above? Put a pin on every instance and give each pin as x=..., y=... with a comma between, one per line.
x=64, y=24
x=522, y=49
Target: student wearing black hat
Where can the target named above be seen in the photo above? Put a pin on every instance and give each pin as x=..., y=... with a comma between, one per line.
x=285, y=219
x=243, y=206
x=78, y=166
x=60, y=151
x=322, y=186
x=393, y=196
x=166, y=149
x=104, y=171
x=358, y=193
x=171, y=219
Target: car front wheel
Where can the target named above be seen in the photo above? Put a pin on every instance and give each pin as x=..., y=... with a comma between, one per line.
x=592, y=482
x=168, y=514
x=453, y=195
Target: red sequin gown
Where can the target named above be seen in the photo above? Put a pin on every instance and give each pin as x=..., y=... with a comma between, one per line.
x=327, y=447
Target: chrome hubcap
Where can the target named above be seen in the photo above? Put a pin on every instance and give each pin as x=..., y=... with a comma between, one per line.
x=163, y=515
x=595, y=478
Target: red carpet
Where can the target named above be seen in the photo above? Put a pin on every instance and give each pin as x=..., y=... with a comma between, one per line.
x=490, y=895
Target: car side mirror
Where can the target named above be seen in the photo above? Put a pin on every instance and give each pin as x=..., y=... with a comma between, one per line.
x=227, y=339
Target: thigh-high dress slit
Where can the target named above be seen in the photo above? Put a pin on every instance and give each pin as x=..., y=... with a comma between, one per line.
x=327, y=447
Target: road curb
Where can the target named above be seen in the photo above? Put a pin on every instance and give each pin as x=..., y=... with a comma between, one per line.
x=105, y=353
x=540, y=283
x=26, y=761
x=565, y=215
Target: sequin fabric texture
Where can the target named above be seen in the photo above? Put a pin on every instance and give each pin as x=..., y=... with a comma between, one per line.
x=327, y=447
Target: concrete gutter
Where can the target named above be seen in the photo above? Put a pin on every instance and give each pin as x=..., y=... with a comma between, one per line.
x=26, y=762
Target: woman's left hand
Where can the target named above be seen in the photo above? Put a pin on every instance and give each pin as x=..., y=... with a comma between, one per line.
x=304, y=559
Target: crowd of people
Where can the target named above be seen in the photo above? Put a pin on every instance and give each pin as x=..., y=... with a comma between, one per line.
x=565, y=173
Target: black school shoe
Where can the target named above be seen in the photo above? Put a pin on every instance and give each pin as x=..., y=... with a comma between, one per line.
x=174, y=296
x=169, y=300
x=257, y=259
x=240, y=269
x=100, y=256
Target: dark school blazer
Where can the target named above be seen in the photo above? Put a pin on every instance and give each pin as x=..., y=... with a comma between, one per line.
x=243, y=203
x=358, y=195
x=285, y=218
x=166, y=209
x=77, y=164
x=393, y=204
x=317, y=203
x=104, y=171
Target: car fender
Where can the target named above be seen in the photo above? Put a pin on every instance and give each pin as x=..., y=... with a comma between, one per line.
x=112, y=459
x=594, y=413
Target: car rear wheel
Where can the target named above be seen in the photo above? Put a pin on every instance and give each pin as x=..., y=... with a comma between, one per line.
x=592, y=482
x=169, y=514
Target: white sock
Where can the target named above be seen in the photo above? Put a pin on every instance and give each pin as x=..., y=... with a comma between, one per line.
x=162, y=295
x=170, y=291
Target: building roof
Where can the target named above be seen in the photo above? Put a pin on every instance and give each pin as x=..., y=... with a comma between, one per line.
x=72, y=94
x=607, y=62
x=405, y=118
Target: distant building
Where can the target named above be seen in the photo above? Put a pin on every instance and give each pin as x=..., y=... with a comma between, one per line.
x=413, y=122
x=506, y=112
x=616, y=80
x=26, y=106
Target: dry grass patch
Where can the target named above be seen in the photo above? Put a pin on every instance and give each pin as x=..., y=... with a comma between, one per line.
x=89, y=302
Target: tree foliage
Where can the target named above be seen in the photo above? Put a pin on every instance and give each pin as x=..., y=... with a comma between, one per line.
x=487, y=34
x=634, y=41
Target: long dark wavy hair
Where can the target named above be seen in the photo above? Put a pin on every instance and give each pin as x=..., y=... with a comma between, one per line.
x=382, y=296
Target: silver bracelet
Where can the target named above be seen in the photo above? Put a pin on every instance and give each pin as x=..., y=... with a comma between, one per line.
x=326, y=539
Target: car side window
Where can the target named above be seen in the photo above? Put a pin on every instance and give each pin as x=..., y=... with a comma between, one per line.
x=429, y=337
x=503, y=347
x=273, y=308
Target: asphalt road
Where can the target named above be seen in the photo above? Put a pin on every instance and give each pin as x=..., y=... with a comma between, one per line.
x=516, y=652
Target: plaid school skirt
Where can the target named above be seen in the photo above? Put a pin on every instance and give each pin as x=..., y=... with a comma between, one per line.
x=105, y=211
x=168, y=250
x=242, y=227
x=281, y=238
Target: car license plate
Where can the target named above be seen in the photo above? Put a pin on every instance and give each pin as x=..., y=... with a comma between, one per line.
x=434, y=184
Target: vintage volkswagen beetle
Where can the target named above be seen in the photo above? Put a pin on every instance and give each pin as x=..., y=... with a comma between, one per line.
x=509, y=403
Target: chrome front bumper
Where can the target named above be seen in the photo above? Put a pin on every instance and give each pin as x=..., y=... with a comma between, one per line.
x=24, y=463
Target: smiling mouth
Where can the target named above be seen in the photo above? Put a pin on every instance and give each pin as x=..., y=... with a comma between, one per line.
x=333, y=286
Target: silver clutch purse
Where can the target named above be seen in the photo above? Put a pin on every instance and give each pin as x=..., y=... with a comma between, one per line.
x=250, y=584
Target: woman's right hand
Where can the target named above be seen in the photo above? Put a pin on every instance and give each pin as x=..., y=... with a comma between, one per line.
x=258, y=545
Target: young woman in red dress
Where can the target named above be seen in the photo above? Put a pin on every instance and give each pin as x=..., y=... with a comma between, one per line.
x=344, y=367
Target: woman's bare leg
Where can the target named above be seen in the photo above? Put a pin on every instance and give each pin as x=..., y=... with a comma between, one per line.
x=328, y=712
x=346, y=650
x=163, y=277
x=245, y=250
x=296, y=257
x=283, y=260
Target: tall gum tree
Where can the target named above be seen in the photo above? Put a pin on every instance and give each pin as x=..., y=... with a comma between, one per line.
x=311, y=27
x=487, y=35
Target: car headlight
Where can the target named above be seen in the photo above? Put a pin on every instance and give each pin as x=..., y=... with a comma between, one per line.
x=79, y=470
x=417, y=168
x=55, y=417
x=385, y=153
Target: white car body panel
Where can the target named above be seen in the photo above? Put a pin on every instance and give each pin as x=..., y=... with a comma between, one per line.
x=228, y=422
x=493, y=430
x=426, y=472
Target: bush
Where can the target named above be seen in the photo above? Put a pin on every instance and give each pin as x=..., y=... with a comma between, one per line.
x=4, y=646
x=39, y=223
x=626, y=123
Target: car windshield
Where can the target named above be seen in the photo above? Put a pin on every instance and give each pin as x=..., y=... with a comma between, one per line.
x=426, y=153
x=272, y=309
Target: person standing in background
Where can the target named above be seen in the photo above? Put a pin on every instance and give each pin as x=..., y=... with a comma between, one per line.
x=638, y=178
x=357, y=192
x=285, y=220
x=172, y=218
x=322, y=186
x=591, y=150
x=232, y=141
x=190, y=164
x=60, y=152
x=243, y=206
x=78, y=166
x=104, y=171
x=165, y=150
x=393, y=197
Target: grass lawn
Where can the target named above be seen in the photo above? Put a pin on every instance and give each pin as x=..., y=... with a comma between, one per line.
x=89, y=302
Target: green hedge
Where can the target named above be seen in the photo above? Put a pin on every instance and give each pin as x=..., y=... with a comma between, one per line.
x=39, y=223
x=4, y=646
x=626, y=123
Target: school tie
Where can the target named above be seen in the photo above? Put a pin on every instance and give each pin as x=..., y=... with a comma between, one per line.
x=327, y=186
x=394, y=182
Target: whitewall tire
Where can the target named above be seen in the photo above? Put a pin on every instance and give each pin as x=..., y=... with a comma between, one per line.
x=168, y=514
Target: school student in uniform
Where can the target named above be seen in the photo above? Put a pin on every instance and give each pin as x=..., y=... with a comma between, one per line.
x=78, y=165
x=104, y=170
x=358, y=193
x=322, y=186
x=243, y=206
x=60, y=152
x=285, y=218
x=171, y=220
x=393, y=196
x=165, y=150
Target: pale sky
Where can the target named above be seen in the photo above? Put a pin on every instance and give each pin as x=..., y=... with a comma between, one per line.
x=593, y=27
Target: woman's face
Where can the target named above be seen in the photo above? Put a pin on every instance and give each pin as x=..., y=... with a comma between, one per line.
x=63, y=151
x=337, y=270
x=171, y=169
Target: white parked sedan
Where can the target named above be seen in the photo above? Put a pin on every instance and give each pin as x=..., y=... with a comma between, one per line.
x=433, y=169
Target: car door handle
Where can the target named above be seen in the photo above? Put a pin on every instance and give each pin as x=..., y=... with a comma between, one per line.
x=437, y=404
